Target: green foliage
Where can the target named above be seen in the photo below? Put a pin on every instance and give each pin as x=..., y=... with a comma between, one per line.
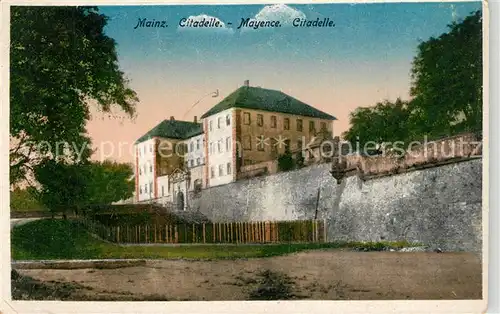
x=60, y=61
x=24, y=200
x=446, y=89
x=74, y=186
x=286, y=162
x=447, y=78
x=110, y=182
x=63, y=186
x=385, y=122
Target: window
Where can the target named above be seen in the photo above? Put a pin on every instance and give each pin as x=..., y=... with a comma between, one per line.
x=286, y=124
x=146, y=188
x=192, y=163
x=198, y=162
x=299, y=144
x=162, y=190
x=311, y=126
x=260, y=120
x=212, y=172
x=150, y=187
x=219, y=146
x=219, y=120
x=260, y=143
x=246, y=118
x=228, y=144
x=140, y=190
x=273, y=121
x=274, y=145
x=197, y=144
x=150, y=168
x=323, y=126
x=247, y=142
x=140, y=170
x=144, y=149
x=228, y=168
x=228, y=120
x=211, y=148
x=191, y=147
x=299, y=125
x=210, y=123
x=221, y=170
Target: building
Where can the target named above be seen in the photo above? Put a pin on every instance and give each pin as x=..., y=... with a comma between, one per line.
x=250, y=126
x=169, y=160
x=254, y=125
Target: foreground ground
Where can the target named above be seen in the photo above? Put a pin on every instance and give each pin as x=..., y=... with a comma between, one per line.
x=327, y=274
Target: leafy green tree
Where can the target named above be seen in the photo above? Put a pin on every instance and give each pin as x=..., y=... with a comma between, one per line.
x=24, y=199
x=110, y=182
x=70, y=187
x=447, y=80
x=385, y=122
x=60, y=62
x=446, y=89
x=63, y=187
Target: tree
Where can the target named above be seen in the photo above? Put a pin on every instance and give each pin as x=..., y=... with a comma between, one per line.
x=110, y=182
x=446, y=89
x=447, y=80
x=63, y=186
x=24, y=199
x=385, y=122
x=70, y=187
x=60, y=61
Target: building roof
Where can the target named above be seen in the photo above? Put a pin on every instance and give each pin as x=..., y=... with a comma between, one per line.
x=173, y=129
x=249, y=97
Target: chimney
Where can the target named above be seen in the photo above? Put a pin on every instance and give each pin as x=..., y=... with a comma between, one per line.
x=246, y=83
x=195, y=119
x=172, y=118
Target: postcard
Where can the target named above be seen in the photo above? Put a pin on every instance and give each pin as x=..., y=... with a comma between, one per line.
x=307, y=156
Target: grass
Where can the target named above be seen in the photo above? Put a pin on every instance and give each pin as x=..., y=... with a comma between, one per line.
x=51, y=239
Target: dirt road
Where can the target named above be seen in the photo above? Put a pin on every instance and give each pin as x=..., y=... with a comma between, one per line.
x=332, y=274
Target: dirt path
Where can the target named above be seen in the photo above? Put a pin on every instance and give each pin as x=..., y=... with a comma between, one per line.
x=332, y=274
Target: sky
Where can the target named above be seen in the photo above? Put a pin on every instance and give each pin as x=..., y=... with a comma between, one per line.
x=366, y=58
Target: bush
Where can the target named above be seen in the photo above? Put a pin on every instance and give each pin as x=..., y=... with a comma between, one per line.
x=286, y=162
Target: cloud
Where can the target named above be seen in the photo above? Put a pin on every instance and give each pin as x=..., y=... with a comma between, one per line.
x=278, y=12
x=454, y=13
x=205, y=23
x=281, y=12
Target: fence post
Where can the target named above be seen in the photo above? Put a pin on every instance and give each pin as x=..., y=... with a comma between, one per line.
x=176, y=234
x=204, y=234
x=231, y=232
x=324, y=228
x=220, y=232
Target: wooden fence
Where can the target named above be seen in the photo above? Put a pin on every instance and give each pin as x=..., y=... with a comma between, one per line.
x=310, y=231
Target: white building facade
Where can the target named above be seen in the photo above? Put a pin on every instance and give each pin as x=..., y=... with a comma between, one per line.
x=219, y=138
x=145, y=170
